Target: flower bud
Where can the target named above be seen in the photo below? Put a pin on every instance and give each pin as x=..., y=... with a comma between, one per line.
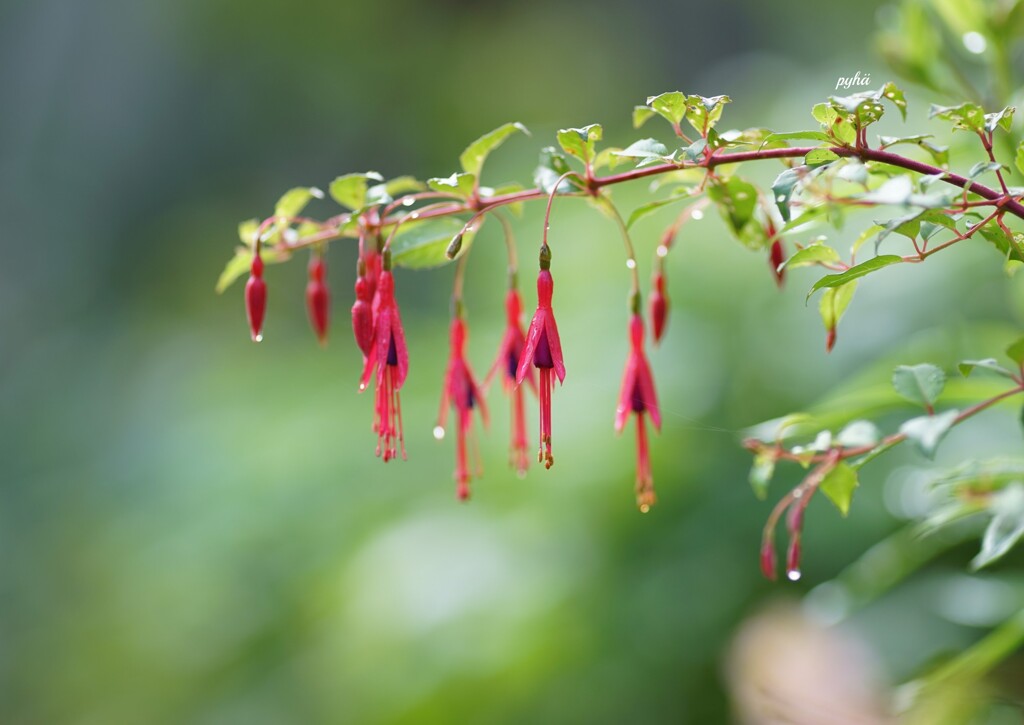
x=768, y=559
x=362, y=316
x=658, y=306
x=454, y=247
x=318, y=299
x=775, y=258
x=256, y=299
x=793, y=558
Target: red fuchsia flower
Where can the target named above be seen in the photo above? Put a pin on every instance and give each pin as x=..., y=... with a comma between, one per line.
x=389, y=356
x=658, y=304
x=510, y=351
x=543, y=350
x=318, y=299
x=638, y=397
x=777, y=255
x=256, y=298
x=362, y=311
x=463, y=394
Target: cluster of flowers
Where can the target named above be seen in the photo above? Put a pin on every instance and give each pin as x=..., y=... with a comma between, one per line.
x=528, y=358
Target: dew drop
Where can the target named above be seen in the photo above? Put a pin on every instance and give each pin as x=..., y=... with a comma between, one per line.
x=438, y=432
x=414, y=215
x=408, y=201
x=362, y=387
x=662, y=250
x=793, y=575
x=631, y=264
x=258, y=338
x=697, y=214
x=644, y=508
x=975, y=42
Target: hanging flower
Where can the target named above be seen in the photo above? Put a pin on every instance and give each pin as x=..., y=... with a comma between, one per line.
x=389, y=356
x=510, y=351
x=777, y=254
x=362, y=311
x=638, y=396
x=256, y=298
x=318, y=299
x=462, y=393
x=658, y=303
x=543, y=350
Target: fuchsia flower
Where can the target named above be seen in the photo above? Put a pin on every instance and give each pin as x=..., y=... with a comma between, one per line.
x=777, y=254
x=658, y=302
x=510, y=351
x=318, y=299
x=543, y=350
x=463, y=394
x=389, y=356
x=256, y=298
x=638, y=397
x=362, y=312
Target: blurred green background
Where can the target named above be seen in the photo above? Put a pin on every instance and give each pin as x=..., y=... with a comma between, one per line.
x=195, y=529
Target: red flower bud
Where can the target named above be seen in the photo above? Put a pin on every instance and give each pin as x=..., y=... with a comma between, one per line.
x=776, y=257
x=362, y=316
x=830, y=339
x=256, y=298
x=318, y=299
x=793, y=558
x=768, y=559
x=658, y=303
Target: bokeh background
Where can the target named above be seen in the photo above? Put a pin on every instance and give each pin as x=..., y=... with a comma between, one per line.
x=195, y=529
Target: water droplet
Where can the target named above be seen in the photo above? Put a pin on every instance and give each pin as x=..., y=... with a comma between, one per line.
x=414, y=215
x=662, y=250
x=697, y=214
x=258, y=338
x=631, y=264
x=438, y=432
x=793, y=575
x=362, y=387
x=644, y=508
x=408, y=201
x=975, y=42
x=781, y=198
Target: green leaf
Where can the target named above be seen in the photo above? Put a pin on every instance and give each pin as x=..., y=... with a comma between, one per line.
x=939, y=154
x=983, y=167
x=458, y=183
x=820, y=157
x=1006, y=527
x=928, y=431
x=807, y=135
x=965, y=117
x=1019, y=159
x=782, y=190
x=839, y=485
x=703, y=113
x=553, y=165
x=641, y=114
x=247, y=232
x=896, y=97
x=421, y=245
x=921, y=384
x=859, y=434
x=647, y=150
x=864, y=268
x=652, y=206
x=472, y=159
x=235, y=268
x=1016, y=351
x=579, y=142
x=350, y=190
x=814, y=254
x=295, y=200
x=390, y=190
x=1000, y=119
x=670, y=106
x=761, y=472
x=736, y=200
x=695, y=151
x=834, y=302
x=967, y=367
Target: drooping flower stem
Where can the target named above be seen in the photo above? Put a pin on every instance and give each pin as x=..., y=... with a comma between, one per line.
x=630, y=251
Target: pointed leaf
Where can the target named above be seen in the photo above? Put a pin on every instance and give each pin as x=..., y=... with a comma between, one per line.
x=921, y=384
x=839, y=485
x=472, y=159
